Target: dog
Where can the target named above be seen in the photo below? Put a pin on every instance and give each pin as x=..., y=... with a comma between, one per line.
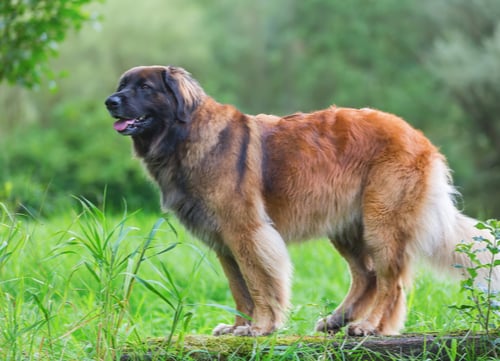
x=248, y=185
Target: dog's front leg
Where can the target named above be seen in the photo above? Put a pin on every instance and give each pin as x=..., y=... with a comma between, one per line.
x=241, y=295
x=265, y=266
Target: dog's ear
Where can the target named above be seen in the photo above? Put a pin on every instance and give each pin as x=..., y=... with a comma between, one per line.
x=172, y=81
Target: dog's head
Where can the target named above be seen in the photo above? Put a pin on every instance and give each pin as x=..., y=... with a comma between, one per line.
x=152, y=98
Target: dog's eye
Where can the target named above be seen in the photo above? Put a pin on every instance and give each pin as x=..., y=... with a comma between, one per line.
x=145, y=86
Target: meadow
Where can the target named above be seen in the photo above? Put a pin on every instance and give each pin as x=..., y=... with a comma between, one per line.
x=85, y=284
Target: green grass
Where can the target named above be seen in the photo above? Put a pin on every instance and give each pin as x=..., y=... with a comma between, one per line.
x=85, y=284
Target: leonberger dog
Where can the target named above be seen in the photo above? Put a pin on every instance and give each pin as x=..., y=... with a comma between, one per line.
x=247, y=185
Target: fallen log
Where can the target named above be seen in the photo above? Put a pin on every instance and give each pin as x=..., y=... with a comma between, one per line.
x=464, y=346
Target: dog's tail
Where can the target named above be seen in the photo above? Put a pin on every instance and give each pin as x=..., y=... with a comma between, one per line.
x=443, y=227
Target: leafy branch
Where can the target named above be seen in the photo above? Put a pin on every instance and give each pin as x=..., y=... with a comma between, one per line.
x=30, y=32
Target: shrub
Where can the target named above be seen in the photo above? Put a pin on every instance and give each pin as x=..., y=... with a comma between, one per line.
x=77, y=154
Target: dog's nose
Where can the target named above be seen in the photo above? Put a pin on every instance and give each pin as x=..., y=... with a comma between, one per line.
x=113, y=102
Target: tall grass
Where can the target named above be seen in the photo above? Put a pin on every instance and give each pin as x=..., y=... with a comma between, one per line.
x=72, y=294
x=111, y=268
x=87, y=284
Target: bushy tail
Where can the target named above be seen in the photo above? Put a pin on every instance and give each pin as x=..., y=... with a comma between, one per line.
x=444, y=227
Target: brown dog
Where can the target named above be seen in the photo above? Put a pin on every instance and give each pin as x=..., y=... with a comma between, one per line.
x=247, y=185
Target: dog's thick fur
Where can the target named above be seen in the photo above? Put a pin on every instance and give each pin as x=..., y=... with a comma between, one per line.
x=247, y=185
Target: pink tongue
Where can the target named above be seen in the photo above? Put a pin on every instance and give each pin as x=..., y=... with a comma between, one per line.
x=121, y=124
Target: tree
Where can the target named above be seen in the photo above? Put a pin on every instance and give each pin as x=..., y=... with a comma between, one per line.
x=295, y=55
x=465, y=59
x=29, y=35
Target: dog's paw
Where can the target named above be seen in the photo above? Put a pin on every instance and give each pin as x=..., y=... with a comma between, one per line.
x=245, y=330
x=331, y=324
x=223, y=329
x=253, y=331
x=241, y=330
x=362, y=328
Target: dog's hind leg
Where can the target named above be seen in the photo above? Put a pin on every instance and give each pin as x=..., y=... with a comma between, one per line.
x=388, y=311
x=361, y=291
x=385, y=242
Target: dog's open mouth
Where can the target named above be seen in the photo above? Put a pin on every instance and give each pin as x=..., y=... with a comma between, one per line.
x=122, y=124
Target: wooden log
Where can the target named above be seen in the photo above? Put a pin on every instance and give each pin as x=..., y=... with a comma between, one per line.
x=464, y=346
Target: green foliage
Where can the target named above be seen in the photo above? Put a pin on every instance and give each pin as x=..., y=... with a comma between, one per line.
x=264, y=57
x=465, y=60
x=73, y=150
x=483, y=307
x=303, y=56
x=30, y=32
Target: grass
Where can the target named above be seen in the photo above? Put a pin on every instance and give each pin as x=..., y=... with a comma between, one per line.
x=85, y=284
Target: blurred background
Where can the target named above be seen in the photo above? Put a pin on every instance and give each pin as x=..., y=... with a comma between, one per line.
x=436, y=63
